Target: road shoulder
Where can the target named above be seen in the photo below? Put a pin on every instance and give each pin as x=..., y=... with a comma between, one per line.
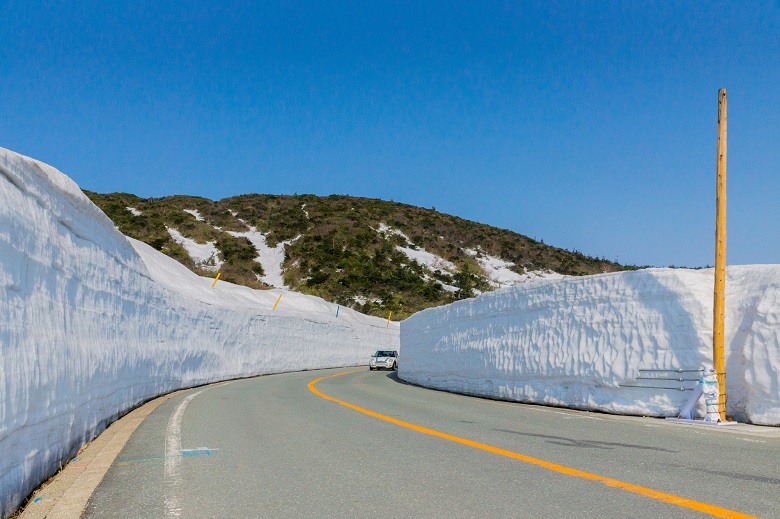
x=66, y=495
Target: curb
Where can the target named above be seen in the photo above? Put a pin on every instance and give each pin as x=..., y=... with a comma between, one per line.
x=66, y=495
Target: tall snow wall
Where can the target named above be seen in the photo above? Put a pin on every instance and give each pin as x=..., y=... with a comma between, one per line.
x=582, y=342
x=93, y=324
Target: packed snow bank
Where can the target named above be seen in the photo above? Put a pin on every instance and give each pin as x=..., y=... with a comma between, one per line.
x=92, y=324
x=580, y=342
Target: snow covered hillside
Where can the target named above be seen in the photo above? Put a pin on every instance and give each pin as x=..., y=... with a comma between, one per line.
x=92, y=324
x=610, y=342
x=371, y=255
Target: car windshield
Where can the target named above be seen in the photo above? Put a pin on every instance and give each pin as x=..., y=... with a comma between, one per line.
x=384, y=354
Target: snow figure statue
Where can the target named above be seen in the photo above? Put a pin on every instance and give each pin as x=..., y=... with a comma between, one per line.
x=707, y=386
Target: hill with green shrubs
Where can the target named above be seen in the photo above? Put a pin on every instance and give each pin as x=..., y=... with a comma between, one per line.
x=371, y=255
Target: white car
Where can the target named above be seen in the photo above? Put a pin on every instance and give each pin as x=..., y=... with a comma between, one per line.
x=384, y=359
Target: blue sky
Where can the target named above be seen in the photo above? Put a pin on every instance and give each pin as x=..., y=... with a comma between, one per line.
x=590, y=125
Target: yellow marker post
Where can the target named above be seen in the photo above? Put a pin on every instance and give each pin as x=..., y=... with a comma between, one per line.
x=719, y=317
x=215, y=279
x=388, y=319
x=277, y=302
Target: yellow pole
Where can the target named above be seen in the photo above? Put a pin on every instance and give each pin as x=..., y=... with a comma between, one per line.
x=215, y=279
x=277, y=302
x=388, y=318
x=719, y=306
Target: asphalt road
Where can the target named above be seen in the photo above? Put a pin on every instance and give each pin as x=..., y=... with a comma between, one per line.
x=270, y=447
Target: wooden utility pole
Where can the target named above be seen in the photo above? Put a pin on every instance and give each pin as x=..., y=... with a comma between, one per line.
x=718, y=325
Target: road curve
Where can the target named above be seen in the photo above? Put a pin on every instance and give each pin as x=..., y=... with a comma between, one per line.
x=279, y=446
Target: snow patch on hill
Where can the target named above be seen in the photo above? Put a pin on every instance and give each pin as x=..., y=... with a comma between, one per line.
x=195, y=213
x=385, y=229
x=92, y=324
x=205, y=255
x=497, y=271
x=500, y=274
x=271, y=258
x=417, y=254
x=426, y=259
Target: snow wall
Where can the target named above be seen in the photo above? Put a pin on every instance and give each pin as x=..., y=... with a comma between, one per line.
x=92, y=324
x=580, y=342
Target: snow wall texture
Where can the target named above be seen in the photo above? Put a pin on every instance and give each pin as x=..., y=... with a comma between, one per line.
x=92, y=324
x=579, y=342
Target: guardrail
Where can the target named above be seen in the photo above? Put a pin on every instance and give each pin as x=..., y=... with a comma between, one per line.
x=665, y=377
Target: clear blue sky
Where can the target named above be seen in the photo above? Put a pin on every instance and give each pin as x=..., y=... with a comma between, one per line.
x=590, y=125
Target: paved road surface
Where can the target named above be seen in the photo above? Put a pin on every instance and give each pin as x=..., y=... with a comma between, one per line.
x=270, y=447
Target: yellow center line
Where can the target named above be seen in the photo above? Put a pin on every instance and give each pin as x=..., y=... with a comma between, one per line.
x=713, y=510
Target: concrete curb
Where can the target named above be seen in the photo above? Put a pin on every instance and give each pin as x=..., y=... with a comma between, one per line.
x=67, y=494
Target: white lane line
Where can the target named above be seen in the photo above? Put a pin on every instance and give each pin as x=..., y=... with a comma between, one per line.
x=173, y=457
x=173, y=453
